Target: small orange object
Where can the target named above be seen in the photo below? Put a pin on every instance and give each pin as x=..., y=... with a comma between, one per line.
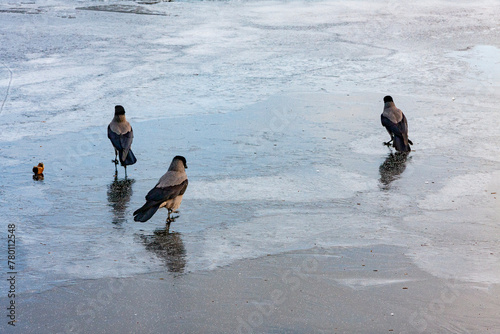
x=38, y=169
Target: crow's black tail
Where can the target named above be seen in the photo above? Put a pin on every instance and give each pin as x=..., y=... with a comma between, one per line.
x=129, y=160
x=401, y=144
x=145, y=212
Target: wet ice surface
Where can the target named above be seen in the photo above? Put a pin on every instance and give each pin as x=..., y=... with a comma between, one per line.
x=276, y=108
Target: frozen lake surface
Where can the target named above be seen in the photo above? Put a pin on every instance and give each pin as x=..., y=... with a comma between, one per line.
x=276, y=107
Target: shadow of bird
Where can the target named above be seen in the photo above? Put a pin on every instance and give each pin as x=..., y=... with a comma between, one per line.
x=392, y=167
x=119, y=193
x=168, y=247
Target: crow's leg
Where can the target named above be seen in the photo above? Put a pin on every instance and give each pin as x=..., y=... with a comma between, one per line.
x=173, y=217
x=169, y=220
x=115, y=161
x=125, y=172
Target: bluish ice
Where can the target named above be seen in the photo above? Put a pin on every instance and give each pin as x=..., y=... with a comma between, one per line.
x=276, y=106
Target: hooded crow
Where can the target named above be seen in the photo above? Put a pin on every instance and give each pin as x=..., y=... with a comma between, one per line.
x=121, y=135
x=395, y=123
x=167, y=193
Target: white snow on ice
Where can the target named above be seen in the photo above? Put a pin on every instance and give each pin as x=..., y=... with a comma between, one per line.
x=276, y=105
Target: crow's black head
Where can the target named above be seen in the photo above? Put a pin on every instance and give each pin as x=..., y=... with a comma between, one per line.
x=119, y=110
x=181, y=158
x=388, y=99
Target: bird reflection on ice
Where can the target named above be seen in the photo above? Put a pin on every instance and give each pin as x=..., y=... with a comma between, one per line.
x=391, y=168
x=119, y=193
x=168, y=247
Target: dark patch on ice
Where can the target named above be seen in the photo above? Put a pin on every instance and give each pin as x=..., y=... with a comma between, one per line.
x=391, y=169
x=128, y=9
x=119, y=193
x=168, y=247
x=315, y=27
x=22, y=10
x=152, y=2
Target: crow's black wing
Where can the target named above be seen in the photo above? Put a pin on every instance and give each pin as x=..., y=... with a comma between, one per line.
x=155, y=197
x=163, y=194
x=126, y=142
x=399, y=131
x=403, y=127
x=122, y=144
x=115, y=139
x=393, y=127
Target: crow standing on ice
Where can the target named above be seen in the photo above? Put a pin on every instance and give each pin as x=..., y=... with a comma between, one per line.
x=121, y=135
x=395, y=123
x=167, y=193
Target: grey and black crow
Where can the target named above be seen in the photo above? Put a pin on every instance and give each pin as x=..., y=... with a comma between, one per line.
x=395, y=122
x=121, y=135
x=167, y=193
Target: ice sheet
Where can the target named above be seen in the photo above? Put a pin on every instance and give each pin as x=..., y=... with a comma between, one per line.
x=276, y=106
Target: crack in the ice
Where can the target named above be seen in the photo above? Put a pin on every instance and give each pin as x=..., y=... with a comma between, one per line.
x=8, y=88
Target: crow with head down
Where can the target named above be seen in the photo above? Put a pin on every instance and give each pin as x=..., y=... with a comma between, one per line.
x=167, y=193
x=396, y=124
